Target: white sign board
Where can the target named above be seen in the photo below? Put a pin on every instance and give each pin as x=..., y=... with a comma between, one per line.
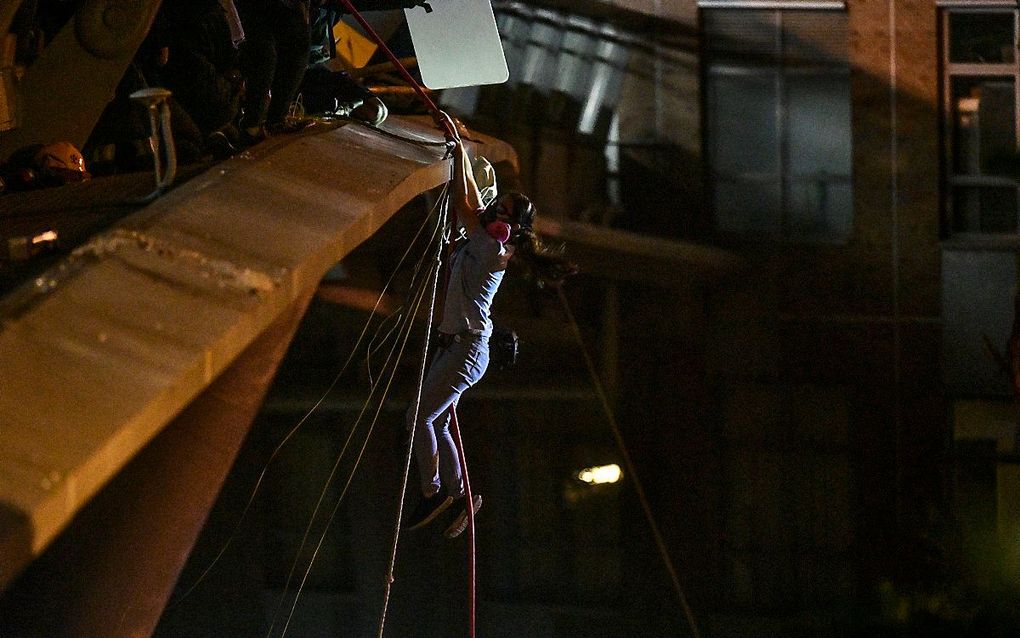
x=457, y=44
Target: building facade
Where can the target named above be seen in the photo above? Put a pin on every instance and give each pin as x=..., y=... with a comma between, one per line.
x=839, y=426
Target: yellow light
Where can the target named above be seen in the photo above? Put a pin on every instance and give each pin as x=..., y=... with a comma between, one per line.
x=49, y=235
x=600, y=474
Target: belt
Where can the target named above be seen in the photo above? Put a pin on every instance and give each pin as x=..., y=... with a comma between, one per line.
x=446, y=339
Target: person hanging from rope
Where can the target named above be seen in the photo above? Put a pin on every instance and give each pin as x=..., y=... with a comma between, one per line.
x=493, y=235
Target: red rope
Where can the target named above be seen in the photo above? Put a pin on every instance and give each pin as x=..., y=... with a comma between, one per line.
x=455, y=427
x=470, y=517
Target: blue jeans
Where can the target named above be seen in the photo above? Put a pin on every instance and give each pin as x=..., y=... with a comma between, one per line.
x=453, y=370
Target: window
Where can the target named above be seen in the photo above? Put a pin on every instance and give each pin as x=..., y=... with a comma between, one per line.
x=980, y=119
x=777, y=110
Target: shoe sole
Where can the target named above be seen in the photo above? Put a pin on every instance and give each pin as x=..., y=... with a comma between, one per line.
x=460, y=523
x=432, y=516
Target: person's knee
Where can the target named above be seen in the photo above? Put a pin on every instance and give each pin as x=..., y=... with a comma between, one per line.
x=422, y=424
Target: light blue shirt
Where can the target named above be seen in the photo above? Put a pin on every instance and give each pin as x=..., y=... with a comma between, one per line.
x=475, y=275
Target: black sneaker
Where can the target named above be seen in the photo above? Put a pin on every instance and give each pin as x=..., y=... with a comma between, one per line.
x=371, y=111
x=460, y=521
x=219, y=145
x=428, y=509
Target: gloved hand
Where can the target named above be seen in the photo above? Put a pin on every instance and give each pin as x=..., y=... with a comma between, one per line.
x=449, y=127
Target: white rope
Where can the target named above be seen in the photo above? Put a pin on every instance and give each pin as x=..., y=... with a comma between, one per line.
x=372, y=349
x=444, y=202
x=409, y=320
x=631, y=468
x=258, y=483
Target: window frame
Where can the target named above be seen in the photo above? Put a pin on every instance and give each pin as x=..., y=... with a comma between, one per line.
x=951, y=180
x=779, y=74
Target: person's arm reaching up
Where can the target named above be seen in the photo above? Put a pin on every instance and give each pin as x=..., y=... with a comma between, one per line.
x=467, y=201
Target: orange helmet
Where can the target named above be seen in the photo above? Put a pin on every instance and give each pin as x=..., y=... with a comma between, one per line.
x=61, y=162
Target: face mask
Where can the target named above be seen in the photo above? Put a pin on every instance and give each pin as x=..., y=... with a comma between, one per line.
x=498, y=230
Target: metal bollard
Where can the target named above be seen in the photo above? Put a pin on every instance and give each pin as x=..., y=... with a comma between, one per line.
x=155, y=101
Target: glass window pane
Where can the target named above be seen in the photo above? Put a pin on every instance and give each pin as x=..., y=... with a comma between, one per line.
x=750, y=35
x=820, y=208
x=981, y=37
x=815, y=37
x=778, y=112
x=573, y=73
x=513, y=31
x=984, y=125
x=742, y=123
x=747, y=206
x=539, y=69
x=985, y=210
x=818, y=124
